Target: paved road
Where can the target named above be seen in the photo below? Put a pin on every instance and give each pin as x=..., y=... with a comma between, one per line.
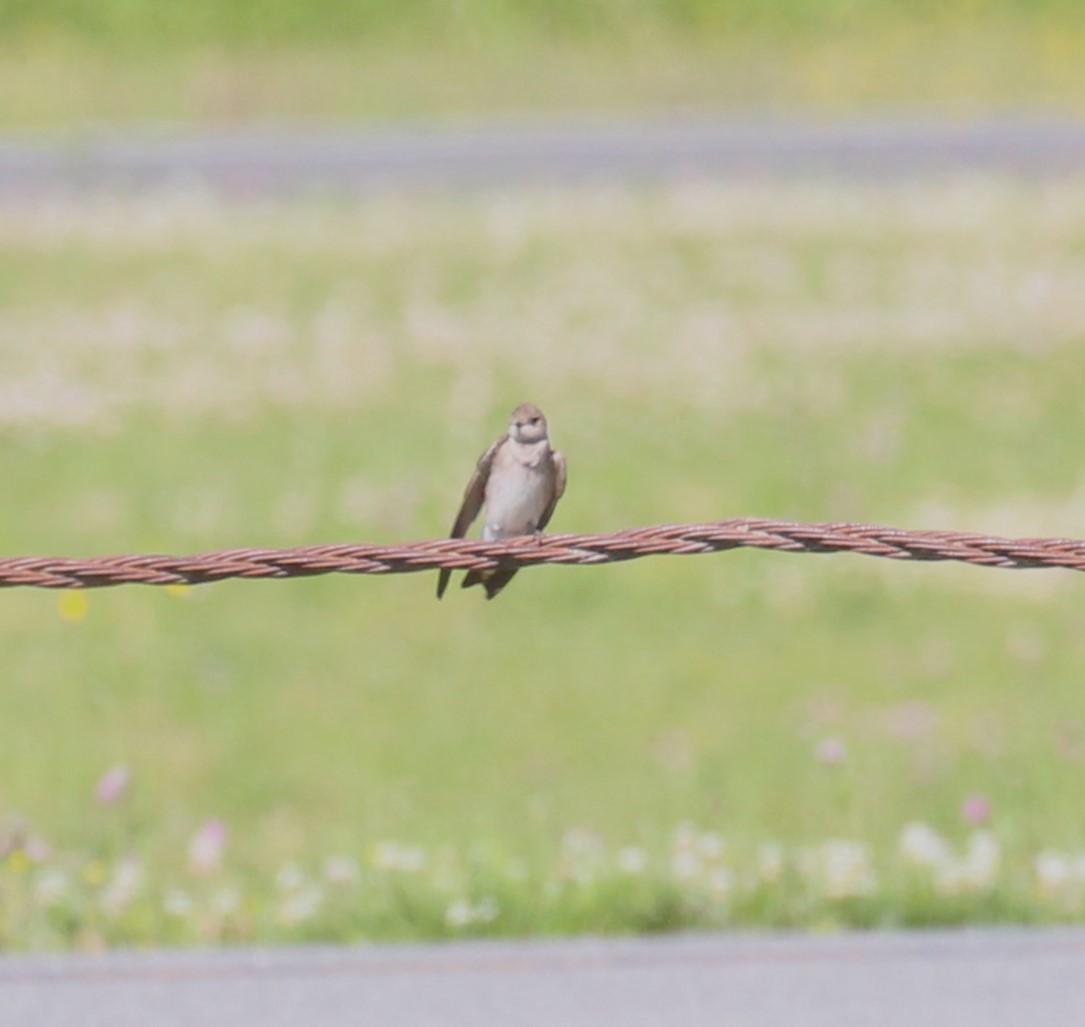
x=964, y=979
x=551, y=150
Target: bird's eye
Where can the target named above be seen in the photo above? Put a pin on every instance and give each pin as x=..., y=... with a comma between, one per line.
x=534, y=420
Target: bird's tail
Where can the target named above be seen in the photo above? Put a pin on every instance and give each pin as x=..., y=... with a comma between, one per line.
x=442, y=581
x=492, y=581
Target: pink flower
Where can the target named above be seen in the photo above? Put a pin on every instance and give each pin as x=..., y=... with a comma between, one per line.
x=976, y=809
x=206, y=846
x=831, y=751
x=113, y=785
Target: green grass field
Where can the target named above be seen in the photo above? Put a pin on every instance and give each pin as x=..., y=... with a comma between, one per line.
x=739, y=739
x=72, y=66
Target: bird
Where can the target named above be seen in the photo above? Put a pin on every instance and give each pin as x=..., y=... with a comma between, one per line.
x=519, y=481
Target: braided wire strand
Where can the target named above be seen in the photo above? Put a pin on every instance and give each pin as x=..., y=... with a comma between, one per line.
x=465, y=554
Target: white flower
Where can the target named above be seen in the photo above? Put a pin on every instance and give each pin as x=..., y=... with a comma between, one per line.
x=632, y=860
x=458, y=913
x=982, y=859
x=301, y=905
x=770, y=862
x=177, y=903
x=685, y=835
x=978, y=870
x=122, y=888
x=392, y=855
x=582, y=855
x=50, y=886
x=226, y=901
x=290, y=877
x=461, y=913
x=846, y=869
x=486, y=910
x=711, y=845
x=686, y=864
x=1054, y=870
x=921, y=845
x=341, y=870
x=721, y=882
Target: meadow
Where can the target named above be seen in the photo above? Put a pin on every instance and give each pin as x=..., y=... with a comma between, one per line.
x=744, y=739
x=69, y=67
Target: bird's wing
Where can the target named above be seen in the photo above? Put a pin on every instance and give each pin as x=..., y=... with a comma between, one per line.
x=473, y=497
x=475, y=492
x=559, y=489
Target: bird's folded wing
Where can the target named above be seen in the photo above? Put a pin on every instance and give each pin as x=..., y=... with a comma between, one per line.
x=559, y=489
x=473, y=497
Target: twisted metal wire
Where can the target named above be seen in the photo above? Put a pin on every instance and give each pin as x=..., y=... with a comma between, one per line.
x=464, y=554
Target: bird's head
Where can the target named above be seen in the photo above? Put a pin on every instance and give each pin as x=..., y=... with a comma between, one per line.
x=527, y=424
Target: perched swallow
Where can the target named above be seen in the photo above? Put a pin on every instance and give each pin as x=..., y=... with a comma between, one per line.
x=519, y=480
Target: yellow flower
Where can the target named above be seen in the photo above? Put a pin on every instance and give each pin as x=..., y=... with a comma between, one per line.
x=94, y=872
x=18, y=862
x=72, y=606
x=179, y=591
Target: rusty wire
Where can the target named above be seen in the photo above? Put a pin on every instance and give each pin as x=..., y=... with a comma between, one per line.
x=464, y=554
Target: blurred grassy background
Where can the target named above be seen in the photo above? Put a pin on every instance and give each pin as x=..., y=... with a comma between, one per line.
x=184, y=373
x=66, y=64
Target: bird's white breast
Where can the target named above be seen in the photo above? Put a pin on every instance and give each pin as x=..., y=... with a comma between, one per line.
x=516, y=496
